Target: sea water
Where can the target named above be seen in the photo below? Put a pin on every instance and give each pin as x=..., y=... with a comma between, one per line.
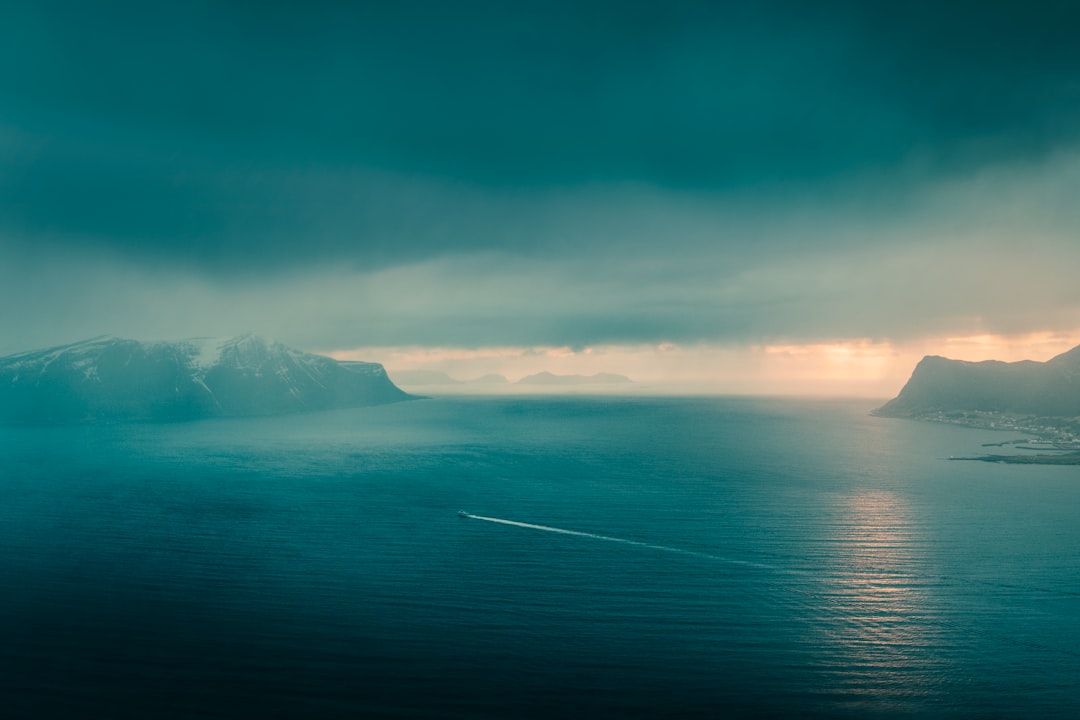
x=619, y=557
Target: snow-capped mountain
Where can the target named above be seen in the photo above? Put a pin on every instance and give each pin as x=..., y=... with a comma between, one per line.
x=117, y=379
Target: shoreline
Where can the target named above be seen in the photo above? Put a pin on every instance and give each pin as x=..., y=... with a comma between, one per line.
x=1053, y=440
x=1069, y=458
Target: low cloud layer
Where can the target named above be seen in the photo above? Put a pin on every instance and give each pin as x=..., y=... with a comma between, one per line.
x=991, y=253
x=540, y=176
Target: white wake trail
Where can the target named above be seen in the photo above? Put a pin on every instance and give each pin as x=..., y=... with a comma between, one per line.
x=624, y=541
x=812, y=606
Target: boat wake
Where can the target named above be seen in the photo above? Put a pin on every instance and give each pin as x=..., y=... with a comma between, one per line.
x=801, y=599
x=624, y=541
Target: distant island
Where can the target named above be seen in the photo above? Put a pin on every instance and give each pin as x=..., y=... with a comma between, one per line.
x=489, y=379
x=1038, y=398
x=432, y=378
x=423, y=377
x=546, y=378
x=437, y=377
x=115, y=379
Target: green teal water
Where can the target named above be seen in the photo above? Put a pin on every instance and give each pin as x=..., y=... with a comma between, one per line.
x=726, y=557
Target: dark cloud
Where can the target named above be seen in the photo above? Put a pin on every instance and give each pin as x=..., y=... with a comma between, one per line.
x=123, y=99
x=676, y=93
x=676, y=170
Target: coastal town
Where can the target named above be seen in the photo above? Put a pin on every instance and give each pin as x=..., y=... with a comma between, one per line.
x=1048, y=441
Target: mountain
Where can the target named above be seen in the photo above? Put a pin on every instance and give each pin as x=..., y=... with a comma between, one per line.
x=489, y=379
x=117, y=379
x=423, y=377
x=546, y=378
x=442, y=382
x=939, y=385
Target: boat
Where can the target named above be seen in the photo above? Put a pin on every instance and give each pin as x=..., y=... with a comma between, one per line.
x=462, y=513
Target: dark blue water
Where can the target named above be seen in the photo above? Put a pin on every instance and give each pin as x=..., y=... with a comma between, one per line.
x=791, y=557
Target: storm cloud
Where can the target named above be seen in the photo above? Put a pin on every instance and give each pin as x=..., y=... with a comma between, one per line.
x=537, y=173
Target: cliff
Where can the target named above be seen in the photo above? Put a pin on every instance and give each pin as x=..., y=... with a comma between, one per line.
x=119, y=379
x=939, y=385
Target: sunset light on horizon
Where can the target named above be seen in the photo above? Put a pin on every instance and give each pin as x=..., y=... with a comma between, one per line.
x=844, y=368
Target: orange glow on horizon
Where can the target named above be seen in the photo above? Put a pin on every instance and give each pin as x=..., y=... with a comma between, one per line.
x=1039, y=346
x=840, y=367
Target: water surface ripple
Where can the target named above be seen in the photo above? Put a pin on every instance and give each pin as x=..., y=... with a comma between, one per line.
x=620, y=558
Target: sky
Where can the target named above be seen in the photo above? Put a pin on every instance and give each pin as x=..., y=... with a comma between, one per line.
x=775, y=196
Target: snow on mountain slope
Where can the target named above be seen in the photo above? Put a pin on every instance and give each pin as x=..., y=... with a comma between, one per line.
x=110, y=378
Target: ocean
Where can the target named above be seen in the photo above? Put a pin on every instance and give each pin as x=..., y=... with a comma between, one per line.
x=619, y=557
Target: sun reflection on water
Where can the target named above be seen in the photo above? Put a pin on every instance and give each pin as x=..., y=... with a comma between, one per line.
x=877, y=613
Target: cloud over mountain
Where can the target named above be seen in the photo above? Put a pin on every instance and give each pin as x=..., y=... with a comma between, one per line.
x=115, y=379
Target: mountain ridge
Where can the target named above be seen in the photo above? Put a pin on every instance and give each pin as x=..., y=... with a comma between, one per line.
x=117, y=379
x=1027, y=387
x=548, y=378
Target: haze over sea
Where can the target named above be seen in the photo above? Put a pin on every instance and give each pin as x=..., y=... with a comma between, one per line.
x=787, y=557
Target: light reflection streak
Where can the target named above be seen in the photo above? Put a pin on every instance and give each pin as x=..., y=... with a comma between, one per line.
x=878, y=613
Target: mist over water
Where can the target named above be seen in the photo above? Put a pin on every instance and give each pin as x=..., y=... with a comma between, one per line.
x=641, y=557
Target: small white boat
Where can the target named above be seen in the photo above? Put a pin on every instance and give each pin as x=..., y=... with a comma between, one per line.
x=462, y=513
